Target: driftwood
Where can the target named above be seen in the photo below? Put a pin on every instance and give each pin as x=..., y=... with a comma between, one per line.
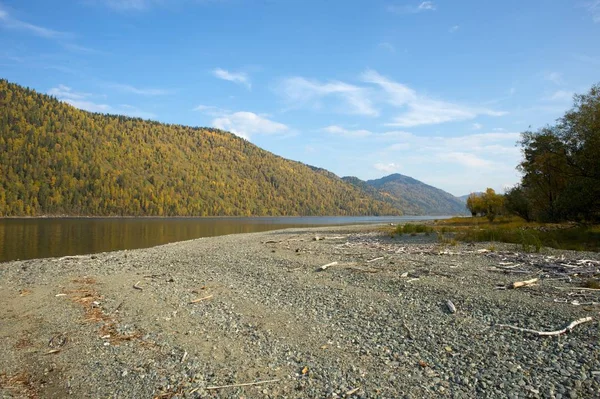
x=568, y=328
x=526, y=283
x=324, y=267
x=211, y=388
x=201, y=299
x=451, y=307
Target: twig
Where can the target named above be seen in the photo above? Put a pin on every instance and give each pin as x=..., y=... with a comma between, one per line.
x=548, y=333
x=184, y=357
x=526, y=283
x=211, y=388
x=352, y=391
x=201, y=299
x=137, y=287
x=324, y=267
x=374, y=260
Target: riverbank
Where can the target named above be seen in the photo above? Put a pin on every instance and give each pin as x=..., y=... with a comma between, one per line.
x=185, y=319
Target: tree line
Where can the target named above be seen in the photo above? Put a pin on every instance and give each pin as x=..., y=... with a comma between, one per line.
x=560, y=170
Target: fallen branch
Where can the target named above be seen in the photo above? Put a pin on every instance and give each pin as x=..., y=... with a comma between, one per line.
x=324, y=267
x=211, y=388
x=137, y=287
x=374, y=260
x=201, y=299
x=451, y=307
x=526, y=283
x=548, y=333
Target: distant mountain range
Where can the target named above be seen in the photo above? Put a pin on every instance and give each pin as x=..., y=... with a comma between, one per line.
x=58, y=160
x=414, y=196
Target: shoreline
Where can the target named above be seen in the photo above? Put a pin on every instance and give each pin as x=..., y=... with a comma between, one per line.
x=180, y=318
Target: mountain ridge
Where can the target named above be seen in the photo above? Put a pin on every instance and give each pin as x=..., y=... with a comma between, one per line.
x=58, y=160
x=422, y=198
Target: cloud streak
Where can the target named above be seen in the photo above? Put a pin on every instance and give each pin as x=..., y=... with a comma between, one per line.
x=139, y=91
x=420, y=109
x=424, y=6
x=244, y=124
x=340, y=131
x=235, y=77
x=13, y=23
x=84, y=101
x=299, y=91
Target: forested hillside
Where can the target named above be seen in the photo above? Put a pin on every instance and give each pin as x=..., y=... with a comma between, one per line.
x=427, y=199
x=58, y=160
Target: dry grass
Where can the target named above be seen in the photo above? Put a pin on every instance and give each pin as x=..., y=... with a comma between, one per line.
x=91, y=302
x=21, y=384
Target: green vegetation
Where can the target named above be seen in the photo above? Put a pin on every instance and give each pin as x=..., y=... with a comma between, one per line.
x=413, y=229
x=488, y=204
x=558, y=199
x=58, y=160
x=561, y=167
x=531, y=237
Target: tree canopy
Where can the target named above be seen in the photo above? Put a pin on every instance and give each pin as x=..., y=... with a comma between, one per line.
x=561, y=166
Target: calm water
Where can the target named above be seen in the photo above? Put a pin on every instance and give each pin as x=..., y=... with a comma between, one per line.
x=41, y=238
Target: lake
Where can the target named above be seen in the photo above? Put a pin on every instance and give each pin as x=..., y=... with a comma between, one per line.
x=31, y=238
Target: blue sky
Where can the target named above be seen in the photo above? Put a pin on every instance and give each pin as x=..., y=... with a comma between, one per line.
x=436, y=90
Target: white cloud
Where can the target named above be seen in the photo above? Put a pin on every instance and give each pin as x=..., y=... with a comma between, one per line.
x=465, y=159
x=481, y=150
x=247, y=124
x=127, y=4
x=83, y=101
x=63, y=92
x=13, y=23
x=299, y=91
x=413, y=9
x=211, y=110
x=387, y=167
x=422, y=110
x=477, y=126
x=594, y=9
x=140, y=91
x=235, y=77
x=340, y=131
x=554, y=77
x=454, y=28
x=387, y=46
x=560, y=95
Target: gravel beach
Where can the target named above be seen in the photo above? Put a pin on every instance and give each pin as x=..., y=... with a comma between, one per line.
x=188, y=319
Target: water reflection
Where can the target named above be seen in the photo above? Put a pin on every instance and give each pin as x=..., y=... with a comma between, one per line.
x=41, y=238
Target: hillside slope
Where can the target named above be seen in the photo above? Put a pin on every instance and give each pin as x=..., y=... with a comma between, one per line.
x=430, y=200
x=58, y=160
x=411, y=195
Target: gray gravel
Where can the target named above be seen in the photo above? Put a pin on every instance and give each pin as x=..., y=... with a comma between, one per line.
x=365, y=327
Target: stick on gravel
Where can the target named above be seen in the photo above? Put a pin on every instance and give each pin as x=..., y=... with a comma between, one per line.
x=324, y=267
x=526, y=283
x=549, y=333
x=451, y=307
x=241, y=385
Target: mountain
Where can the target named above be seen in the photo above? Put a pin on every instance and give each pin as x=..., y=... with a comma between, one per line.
x=464, y=198
x=415, y=197
x=58, y=160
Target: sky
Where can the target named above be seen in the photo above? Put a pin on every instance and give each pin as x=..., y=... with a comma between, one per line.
x=436, y=90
